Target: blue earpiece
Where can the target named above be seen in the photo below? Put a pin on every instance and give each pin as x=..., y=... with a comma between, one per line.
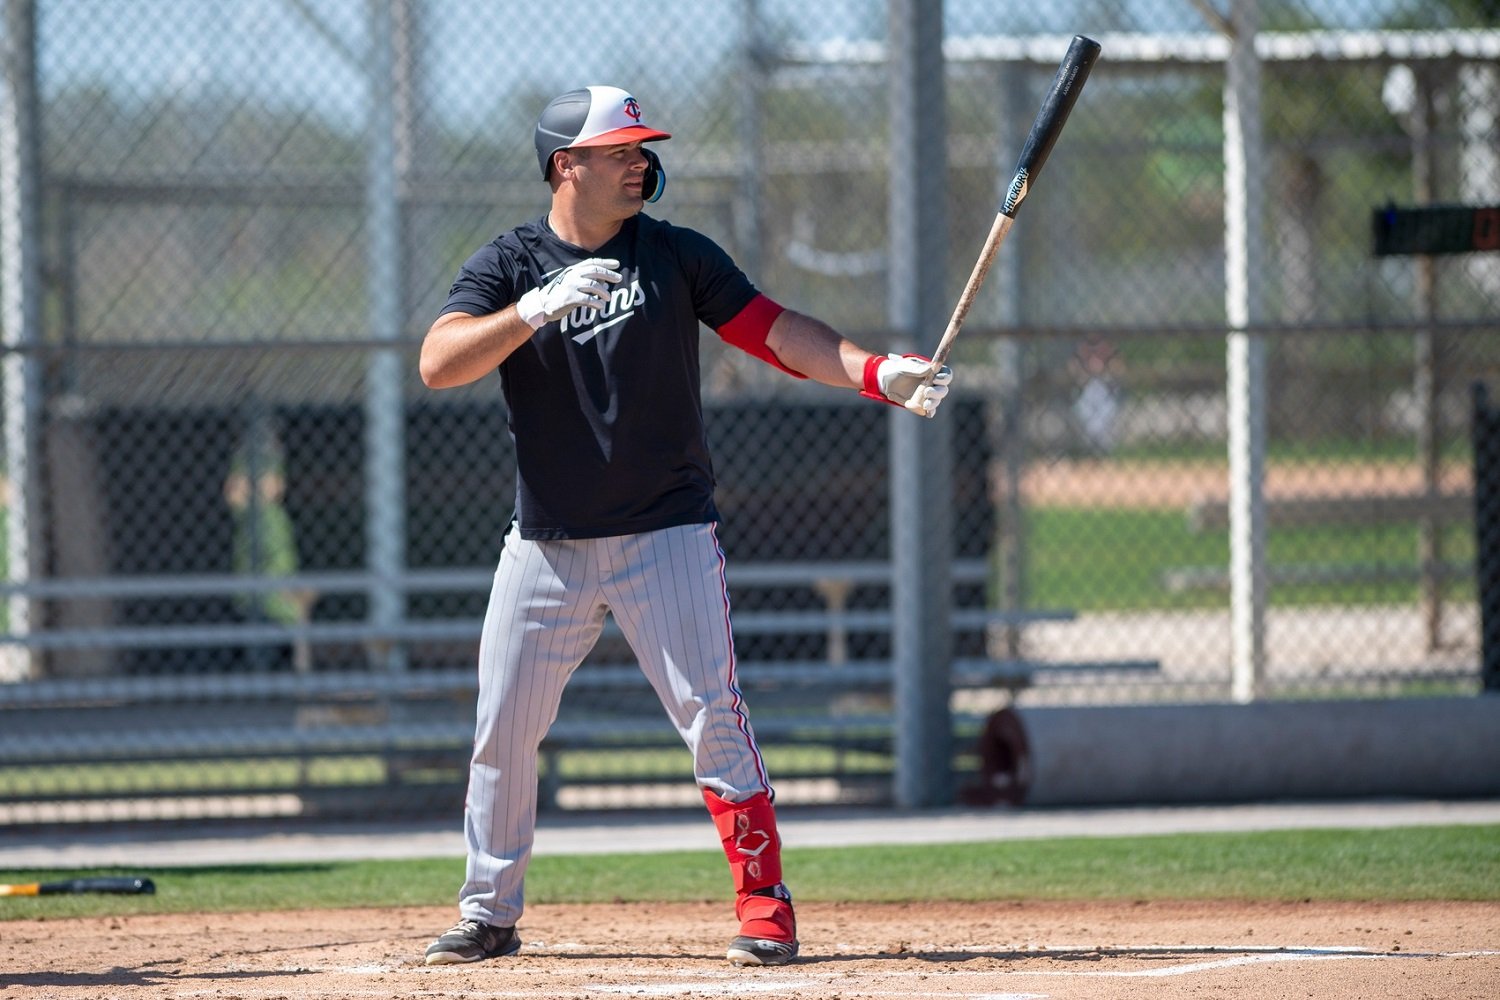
x=655, y=181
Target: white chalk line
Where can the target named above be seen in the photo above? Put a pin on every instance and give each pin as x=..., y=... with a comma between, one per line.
x=584, y=993
x=727, y=982
x=1261, y=956
x=698, y=986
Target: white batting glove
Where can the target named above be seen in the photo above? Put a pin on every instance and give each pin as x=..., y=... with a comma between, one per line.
x=580, y=284
x=909, y=381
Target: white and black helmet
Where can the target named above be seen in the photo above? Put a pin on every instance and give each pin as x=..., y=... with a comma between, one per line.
x=598, y=116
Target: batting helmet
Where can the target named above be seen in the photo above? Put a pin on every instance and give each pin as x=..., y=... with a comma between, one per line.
x=598, y=116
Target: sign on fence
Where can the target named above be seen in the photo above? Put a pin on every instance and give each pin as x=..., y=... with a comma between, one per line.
x=1436, y=229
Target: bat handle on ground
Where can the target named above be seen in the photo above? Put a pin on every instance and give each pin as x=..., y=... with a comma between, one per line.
x=132, y=885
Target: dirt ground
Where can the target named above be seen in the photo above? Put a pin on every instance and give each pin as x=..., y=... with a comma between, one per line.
x=990, y=951
x=1175, y=485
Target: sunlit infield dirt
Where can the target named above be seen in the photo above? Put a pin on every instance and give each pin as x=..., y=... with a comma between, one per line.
x=984, y=950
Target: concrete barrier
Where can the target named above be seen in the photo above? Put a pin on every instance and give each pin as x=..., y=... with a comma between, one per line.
x=1431, y=747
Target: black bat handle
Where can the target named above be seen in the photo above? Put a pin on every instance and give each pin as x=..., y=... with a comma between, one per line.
x=123, y=884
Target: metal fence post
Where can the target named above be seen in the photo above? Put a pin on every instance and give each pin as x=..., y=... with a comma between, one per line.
x=1486, y=438
x=385, y=407
x=749, y=208
x=1010, y=358
x=20, y=316
x=921, y=459
x=1427, y=363
x=1244, y=274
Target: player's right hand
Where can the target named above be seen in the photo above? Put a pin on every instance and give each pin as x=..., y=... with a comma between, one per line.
x=577, y=285
x=911, y=381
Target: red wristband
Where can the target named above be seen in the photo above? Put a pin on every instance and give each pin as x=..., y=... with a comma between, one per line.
x=872, y=377
x=872, y=380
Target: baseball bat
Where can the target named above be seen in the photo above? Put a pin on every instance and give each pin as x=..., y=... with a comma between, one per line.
x=1072, y=72
x=120, y=884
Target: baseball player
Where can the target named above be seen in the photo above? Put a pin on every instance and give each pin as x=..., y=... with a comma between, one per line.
x=592, y=316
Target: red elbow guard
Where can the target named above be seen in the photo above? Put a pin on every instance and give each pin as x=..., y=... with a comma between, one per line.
x=749, y=329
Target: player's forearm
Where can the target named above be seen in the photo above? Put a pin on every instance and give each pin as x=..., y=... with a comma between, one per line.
x=818, y=351
x=460, y=348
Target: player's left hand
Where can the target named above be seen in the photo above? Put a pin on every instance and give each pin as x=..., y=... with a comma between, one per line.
x=583, y=285
x=910, y=381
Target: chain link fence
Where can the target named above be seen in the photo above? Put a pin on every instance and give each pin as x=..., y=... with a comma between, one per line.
x=247, y=551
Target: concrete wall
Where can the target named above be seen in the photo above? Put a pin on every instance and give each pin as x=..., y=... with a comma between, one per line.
x=1272, y=750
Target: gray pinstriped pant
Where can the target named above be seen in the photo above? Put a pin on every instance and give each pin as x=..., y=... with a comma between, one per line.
x=666, y=591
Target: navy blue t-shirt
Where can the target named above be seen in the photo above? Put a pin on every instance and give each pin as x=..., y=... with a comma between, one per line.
x=606, y=407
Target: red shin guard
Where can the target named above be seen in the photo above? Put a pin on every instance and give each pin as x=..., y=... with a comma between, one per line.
x=753, y=848
x=748, y=830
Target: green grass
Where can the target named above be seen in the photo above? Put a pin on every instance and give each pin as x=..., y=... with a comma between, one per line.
x=280, y=773
x=1449, y=863
x=144, y=777
x=675, y=761
x=1099, y=559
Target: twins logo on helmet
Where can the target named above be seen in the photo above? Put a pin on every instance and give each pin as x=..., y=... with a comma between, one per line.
x=598, y=116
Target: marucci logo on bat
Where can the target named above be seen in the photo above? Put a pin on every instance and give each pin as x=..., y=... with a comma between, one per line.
x=622, y=305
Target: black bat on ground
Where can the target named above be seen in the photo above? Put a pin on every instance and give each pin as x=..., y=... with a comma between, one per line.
x=1066, y=85
x=121, y=884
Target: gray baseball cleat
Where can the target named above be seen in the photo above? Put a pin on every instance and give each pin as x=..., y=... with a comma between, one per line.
x=473, y=941
x=760, y=951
